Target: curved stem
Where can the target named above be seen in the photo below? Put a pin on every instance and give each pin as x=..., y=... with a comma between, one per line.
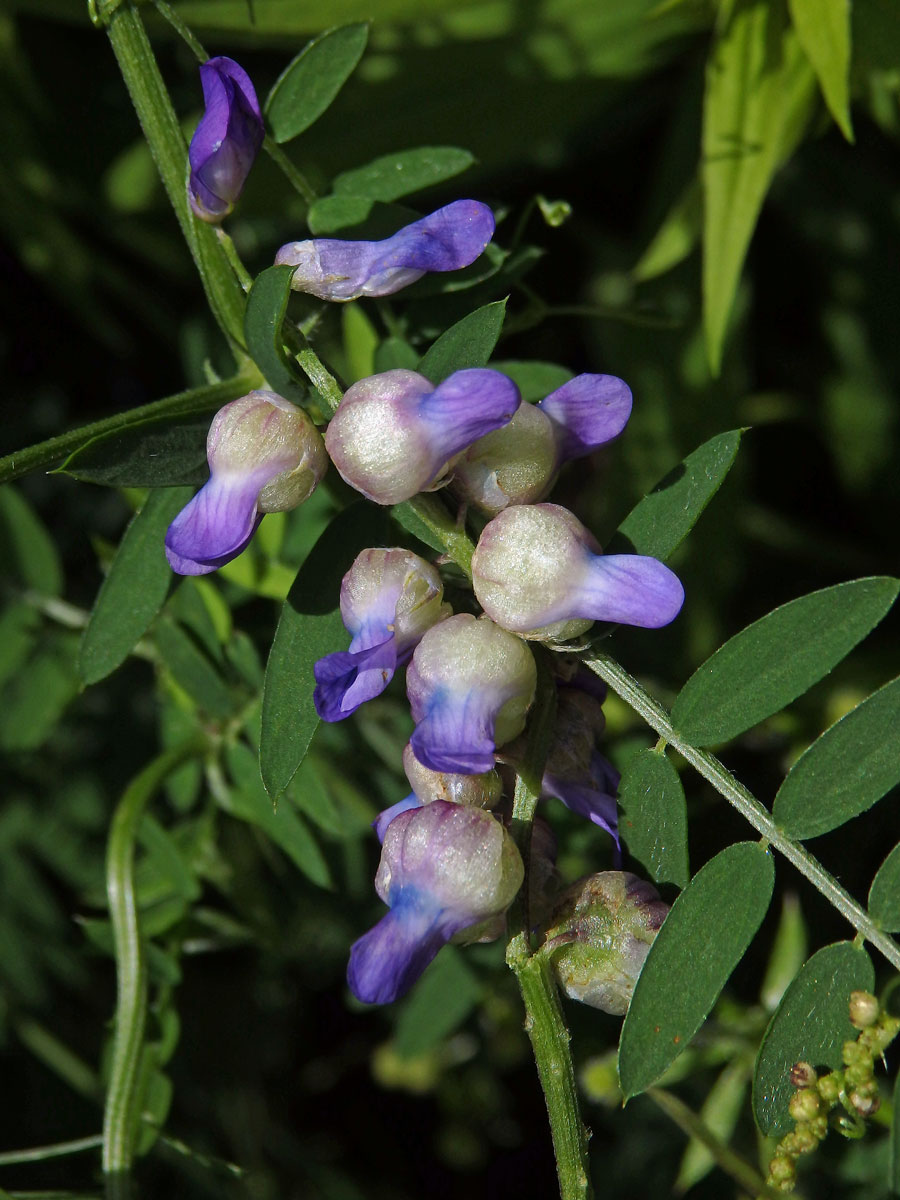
x=743, y=800
x=119, y=1116
x=544, y=1020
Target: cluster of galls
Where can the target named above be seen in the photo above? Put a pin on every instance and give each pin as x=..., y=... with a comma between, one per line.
x=449, y=868
x=849, y=1095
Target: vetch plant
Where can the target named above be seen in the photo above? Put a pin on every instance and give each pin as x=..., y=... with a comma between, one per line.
x=438, y=607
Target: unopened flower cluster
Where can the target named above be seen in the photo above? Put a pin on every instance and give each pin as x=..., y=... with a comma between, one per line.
x=449, y=868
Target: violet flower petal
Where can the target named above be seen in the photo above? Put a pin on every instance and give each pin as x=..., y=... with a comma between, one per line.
x=387, y=815
x=586, y=800
x=217, y=524
x=346, y=679
x=587, y=412
x=387, y=961
x=631, y=589
x=464, y=407
x=445, y=240
x=456, y=735
x=226, y=141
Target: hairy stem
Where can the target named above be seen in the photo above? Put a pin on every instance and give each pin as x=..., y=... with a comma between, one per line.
x=744, y=801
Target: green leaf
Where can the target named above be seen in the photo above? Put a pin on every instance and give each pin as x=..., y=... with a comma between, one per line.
x=710, y=925
x=810, y=1025
x=19, y=624
x=884, y=894
x=468, y=343
x=334, y=214
x=675, y=238
x=662, y=520
x=845, y=771
x=310, y=626
x=160, y=452
x=263, y=320
x=134, y=590
x=34, y=699
x=440, y=1002
x=360, y=341
x=396, y=175
x=27, y=551
x=789, y=949
x=894, y=1182
x=309, y=83
x=654, y=817
x=395, y=352
x=776, y=659
x=249, y=802
x=192, y=670
x=759, y=95
x=720, y=1112
x=823, y=27
x=535, y=380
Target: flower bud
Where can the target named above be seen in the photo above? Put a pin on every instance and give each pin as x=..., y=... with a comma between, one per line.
x=388, y=599
x=265, y=455
x=602, y=930
x=444, y=868
x=393, y=433
x=538, y=572
x=446, y=240
x=470, y=685
x=575, y=772
x=226, y=141
x=518, y=463
x=480, y=791
x=863, y=1009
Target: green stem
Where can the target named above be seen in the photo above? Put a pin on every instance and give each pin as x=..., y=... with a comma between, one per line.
x=544, y=1020
x=57, y=1150
x=137, y=63
x=196, y=400
x=744, y=801
x=120, y=1118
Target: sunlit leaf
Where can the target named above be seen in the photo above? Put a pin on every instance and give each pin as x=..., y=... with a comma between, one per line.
x=396, y=175
x=309, y=83
x=810, y=1025
x=675, y=238
x=884, y=894
x=705, y=935
x=135, y=588
x=468, y=343
x=653, y=819
x=759, y=95
x=310, y=626
x=823, y=27
x=777, y=658
x=846, y=770
x=660, y=522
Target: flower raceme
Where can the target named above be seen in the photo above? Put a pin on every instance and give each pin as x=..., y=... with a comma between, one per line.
x=394, y=434
x=538, y=572
x=445, y=240
x=265, y=455
x=518, y=463
x=388, y=600
x=444, y=869
x=226, y=141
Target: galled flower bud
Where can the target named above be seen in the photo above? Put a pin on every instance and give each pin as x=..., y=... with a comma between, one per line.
x=601, y=932
x=226, y=142
x=469, y=684
x=388, y=600
x=444, y=868
x=265, y=455
x=538, y=572
x=446, y=240
x=518, y=464
x=393, y=433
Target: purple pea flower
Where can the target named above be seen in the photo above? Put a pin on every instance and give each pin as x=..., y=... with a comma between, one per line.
x=446, y=240
x=519, y=463
x=388, y=599
x=394, y=433
x=480, y=791
x=226, y=142
x=265, y=455
x=444, y=868
x=470, y=684
x=538, y=572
